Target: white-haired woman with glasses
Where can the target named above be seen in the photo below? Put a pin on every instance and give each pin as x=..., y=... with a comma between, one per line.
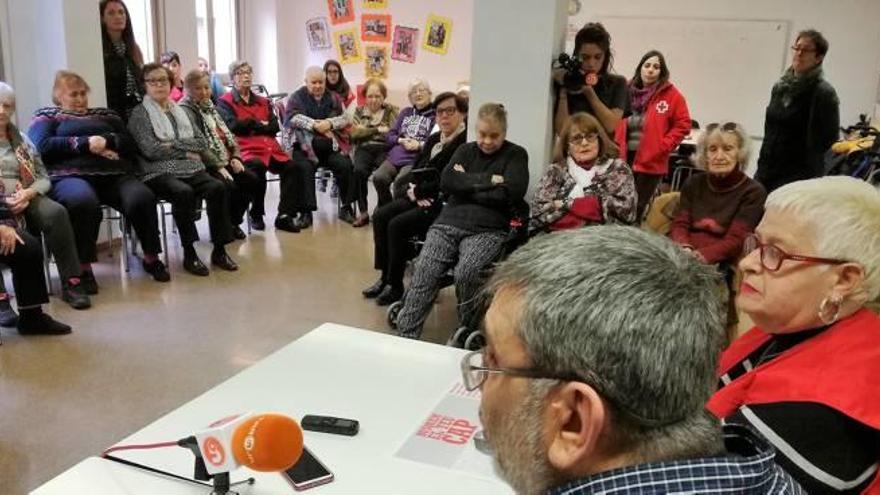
x=806, y=375
x=588, y=184
x=405, y=138
x=720, y=207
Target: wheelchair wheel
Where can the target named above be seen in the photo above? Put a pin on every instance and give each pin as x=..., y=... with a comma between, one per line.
x=392, y=312
x=475, y=341
x=458, y=337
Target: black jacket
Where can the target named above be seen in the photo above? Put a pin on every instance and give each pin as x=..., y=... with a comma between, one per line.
x=424, y=160
x=114, y=81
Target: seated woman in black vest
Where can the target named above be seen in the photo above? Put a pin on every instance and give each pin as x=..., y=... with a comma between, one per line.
x=416, y=206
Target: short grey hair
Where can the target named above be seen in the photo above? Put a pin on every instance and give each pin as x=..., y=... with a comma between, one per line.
x=634, y=316
x=238, y=64
x=314, y=69
x=6, y=92
x=844, y=214
x=745, y=144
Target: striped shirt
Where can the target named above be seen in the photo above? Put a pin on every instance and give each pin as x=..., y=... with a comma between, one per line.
x=748, y=467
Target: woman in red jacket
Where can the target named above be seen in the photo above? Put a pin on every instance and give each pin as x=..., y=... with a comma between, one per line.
x=658, y=123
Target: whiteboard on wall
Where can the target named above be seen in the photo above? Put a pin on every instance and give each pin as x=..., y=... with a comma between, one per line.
x=724, y=68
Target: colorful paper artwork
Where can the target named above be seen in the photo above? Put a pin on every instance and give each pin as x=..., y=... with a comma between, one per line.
x=376, y=27
x=376, y=61
x=318, y=33
x=437, y=34
x=348, y=46
x=341, y=11
x=375, y=4
x=403, y=48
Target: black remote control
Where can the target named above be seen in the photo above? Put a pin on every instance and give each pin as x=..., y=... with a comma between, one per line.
x=330, y=424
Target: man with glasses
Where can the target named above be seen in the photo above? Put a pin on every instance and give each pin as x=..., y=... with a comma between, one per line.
x=802, y=119
x=601, y=351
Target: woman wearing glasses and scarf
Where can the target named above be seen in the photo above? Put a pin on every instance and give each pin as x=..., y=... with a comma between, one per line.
x=802, y=119
x=720, y=207
x=805, y=376
x=587, y=185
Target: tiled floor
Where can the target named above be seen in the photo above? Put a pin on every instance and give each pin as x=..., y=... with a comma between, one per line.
x=146, y=348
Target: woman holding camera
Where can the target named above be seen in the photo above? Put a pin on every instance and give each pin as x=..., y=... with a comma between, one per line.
x=601, y=94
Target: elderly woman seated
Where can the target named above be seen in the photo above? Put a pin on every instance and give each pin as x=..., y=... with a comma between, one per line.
x=222, y=155
x=372, y=122
x=25, y=185
x=418, y=204
x=805, y=376
x=405, y=139
x=588, y=184
x=719, y=208
x=172, y=167
x=483, y=181
x=87, y=152
x=20, y=250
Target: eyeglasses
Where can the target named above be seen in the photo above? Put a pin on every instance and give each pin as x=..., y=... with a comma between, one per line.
x=446, y=110
x=419, y=91
x=474, y=374
x=332, y=71
x=802, y=49
x=726, y=127
x=159, y=81
x=591, y=138
x=244, y=72
x=772, y=256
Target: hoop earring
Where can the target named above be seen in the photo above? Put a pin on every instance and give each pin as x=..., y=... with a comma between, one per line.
x=829, y=304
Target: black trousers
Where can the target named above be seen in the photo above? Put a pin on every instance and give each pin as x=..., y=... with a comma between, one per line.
x=289, y=187
x=646, y=185
x=26, y=263
x=394, y=224
x=367, y=157
x=339, y=164
x=241, y=191
x=82, y=197
x=182, y=193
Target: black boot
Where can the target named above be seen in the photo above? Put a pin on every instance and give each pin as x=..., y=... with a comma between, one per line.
x=192, y=263
x=73, y=293
x=389, y=295
x=34, y=322
x=220, y=258
x=374, y=290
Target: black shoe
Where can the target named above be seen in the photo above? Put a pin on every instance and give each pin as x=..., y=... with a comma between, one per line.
x=389, y=295
x=346, y=215
x=237, y=233
x=74, y=294
x=304, y=220
x=88, y=282
x=286, y=223
x=8, y=316
x=157, y=270
x=257, y=223
x=195, y=266
x=221, y=259
x=374, y=290
x=39, y=323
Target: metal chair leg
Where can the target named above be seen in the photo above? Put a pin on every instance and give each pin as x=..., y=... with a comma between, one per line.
x=46, y=266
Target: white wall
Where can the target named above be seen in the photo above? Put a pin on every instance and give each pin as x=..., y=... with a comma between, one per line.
x=851, y=26
x=283, y=22
x=48, y=35
x=522, y=87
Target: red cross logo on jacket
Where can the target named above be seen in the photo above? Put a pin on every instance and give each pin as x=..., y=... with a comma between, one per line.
x=662, y=106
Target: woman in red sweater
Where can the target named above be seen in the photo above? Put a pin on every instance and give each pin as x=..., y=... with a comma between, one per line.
x=719, y=208
x=658, y=123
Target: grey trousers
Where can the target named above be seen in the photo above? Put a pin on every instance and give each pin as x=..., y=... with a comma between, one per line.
x=446, y=247
x=383, y=177
x=43, y=215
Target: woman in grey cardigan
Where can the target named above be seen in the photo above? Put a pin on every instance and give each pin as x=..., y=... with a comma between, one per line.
x=171, y=165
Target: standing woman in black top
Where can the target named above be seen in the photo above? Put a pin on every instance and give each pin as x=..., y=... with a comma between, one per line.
x=122, y=58
x=602, y=94
x=802, y=117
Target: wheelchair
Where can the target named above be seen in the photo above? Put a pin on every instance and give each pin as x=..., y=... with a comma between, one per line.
x=468, y=335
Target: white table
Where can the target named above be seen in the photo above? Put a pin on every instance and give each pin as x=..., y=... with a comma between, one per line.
x=389, y=384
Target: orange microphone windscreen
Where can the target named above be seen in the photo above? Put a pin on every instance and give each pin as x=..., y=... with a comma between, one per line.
x=267, y=442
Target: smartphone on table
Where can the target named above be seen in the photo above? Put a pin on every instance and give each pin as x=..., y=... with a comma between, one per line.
x=308, y=472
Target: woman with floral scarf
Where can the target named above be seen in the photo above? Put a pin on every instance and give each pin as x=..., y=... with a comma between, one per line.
x=222, y=156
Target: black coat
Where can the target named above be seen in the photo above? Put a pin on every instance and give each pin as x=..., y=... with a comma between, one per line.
x=115, y=67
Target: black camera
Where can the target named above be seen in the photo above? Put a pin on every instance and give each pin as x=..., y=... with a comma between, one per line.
x=573, y=80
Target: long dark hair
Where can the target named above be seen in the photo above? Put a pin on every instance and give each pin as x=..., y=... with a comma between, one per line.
x=664, y=70
x=132, y=50
x=595, y=33
x=341, y=87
